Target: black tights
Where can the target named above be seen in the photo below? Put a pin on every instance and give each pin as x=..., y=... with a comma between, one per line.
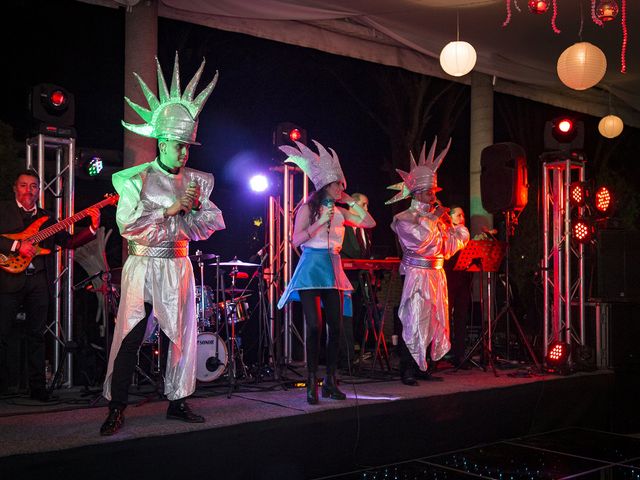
x=332, y=305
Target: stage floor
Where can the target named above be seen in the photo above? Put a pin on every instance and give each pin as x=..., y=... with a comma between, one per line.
x=270, y=423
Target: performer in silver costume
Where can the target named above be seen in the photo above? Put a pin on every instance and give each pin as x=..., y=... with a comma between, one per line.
x=162, y=206
x=427, y=238
x=319, y=279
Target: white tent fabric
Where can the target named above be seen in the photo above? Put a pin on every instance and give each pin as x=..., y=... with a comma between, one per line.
x=521, y=57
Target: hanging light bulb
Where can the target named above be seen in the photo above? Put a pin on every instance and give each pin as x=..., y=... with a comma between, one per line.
x=607, y=10
x=458, y=58
x=610, y=126
x=581, y=66
x=538, y=6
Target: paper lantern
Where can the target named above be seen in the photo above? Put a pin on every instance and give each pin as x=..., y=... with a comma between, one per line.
x=610, y=126
x=458, y=58
x=581, y=66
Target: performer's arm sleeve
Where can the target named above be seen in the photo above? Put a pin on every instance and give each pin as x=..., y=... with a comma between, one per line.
x=417, y=236
x=200, y=224
x=456, y=239
x=140, y=221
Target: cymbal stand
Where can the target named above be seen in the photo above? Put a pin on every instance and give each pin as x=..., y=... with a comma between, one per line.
x=229, y=317
x=263, y=322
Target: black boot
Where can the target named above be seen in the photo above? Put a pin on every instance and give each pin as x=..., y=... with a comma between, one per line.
x=180, y=410
x=330, y=388
x=312, y=389
x=114, y=421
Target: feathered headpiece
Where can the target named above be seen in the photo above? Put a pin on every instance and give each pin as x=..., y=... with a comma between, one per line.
x=174, y=116
x=322, y=168
x=422, y=176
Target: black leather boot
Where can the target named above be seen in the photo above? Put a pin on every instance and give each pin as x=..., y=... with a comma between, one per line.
x=114, y=421
x=330, y=388
x=312, y=389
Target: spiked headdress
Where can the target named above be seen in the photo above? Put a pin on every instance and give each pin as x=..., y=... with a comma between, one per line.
x=422, y=176
x=174, y=116
x=322, y=168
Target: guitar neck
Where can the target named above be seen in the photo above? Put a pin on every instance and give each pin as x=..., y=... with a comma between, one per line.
x=64, y=224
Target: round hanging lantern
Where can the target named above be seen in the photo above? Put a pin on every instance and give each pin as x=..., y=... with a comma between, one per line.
x=538, y=7
x=610, y=126
x=581, y=66
x=607, y=10
x=458, y=58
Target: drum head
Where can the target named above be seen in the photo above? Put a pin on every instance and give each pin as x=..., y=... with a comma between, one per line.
x=211, y=357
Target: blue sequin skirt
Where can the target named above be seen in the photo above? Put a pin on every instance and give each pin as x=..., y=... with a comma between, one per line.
x=318, y=268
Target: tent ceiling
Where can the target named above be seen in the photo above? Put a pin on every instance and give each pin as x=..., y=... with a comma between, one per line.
x=410, y=34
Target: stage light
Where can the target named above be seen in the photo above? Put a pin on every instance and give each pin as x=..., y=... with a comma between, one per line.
x=557, y=359
x=582, y=230
x=287, y=133
x=53, y=105
x=94, y=166
x=564, y=133
x=603, y=200
x=258, y=183
x=577, y=194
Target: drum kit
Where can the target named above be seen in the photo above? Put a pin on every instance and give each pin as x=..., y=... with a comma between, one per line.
x=219, y=309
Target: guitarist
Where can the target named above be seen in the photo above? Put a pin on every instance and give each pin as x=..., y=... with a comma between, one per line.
x=29, y=289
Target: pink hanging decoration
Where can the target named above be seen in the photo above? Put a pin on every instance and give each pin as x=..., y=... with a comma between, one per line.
x=556, y=30
x=607, y=10
x=623, y=52
x=508, y=19
x=594, y=17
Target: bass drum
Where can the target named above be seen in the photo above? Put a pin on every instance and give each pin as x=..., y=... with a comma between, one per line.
x=212, y=357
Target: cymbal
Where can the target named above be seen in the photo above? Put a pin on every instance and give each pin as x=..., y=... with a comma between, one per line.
x=203, y=256
x=237, y=263
x=237, y=299
x=236, y=290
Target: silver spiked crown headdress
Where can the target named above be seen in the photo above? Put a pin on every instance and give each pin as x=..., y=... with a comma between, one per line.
x=172, y=115
x=322, y=168
x=421, y=176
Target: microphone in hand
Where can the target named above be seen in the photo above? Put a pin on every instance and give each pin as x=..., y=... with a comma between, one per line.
x=192, y=185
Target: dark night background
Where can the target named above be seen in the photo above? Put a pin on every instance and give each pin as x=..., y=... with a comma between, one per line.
x=349, y=105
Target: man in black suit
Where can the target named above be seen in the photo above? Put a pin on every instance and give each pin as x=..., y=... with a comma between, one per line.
x=29, y=289
x=356, y=244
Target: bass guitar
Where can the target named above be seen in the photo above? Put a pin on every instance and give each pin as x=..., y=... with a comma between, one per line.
x=16, y=263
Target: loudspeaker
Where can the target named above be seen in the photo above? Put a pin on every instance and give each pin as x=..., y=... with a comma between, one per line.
x=618, y=265
x=503, y=177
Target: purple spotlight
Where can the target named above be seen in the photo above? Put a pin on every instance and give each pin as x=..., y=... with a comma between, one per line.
x=258, y=183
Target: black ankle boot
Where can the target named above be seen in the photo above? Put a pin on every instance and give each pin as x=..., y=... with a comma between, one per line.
x=312, y=389
x=330, y=388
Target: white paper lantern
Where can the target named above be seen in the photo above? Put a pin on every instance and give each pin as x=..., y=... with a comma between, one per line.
x=458, y=58
x=581, y=66
x=610, y=126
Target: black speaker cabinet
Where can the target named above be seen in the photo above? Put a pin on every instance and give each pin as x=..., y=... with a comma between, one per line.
x=503, y=177
x=618, y=266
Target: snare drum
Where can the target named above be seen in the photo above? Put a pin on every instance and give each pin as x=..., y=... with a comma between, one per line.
x=212, y=357
x=235, y=310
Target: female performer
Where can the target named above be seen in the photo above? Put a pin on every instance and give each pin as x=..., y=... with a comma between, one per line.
x=319, y=280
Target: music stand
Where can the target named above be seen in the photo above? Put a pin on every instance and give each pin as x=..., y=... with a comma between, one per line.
x=484, y=256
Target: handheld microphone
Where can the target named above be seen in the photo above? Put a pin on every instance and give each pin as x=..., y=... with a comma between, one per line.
x=329, y=203
x=192, y=184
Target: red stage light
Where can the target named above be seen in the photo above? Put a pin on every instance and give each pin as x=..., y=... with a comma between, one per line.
x=295, y=135
x=557, y=359
x=57, y=98
x=603, y=200
x=538, y=6
x=577, y=194
x=582, y=230
x=565, y=125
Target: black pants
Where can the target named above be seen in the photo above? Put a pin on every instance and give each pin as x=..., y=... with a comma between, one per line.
x=125, y=362
x=33, y=298
x=459, y=287
x=332, y=305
